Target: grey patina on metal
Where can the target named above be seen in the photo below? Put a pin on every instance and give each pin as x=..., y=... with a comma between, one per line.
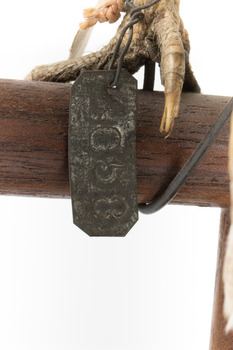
x=102, y=153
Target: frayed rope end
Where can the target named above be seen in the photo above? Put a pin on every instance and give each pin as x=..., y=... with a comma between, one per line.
x=108, y=12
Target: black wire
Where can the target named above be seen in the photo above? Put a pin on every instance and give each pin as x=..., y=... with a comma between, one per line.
x=159, y=202
x=135, y=17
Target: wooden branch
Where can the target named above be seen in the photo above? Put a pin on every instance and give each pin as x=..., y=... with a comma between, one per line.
x=219, y=339
x=33, y=139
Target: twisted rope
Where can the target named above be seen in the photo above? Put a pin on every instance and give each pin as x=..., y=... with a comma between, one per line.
x=109, y=12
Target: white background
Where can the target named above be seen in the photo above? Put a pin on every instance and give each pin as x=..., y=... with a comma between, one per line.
x=60, y=289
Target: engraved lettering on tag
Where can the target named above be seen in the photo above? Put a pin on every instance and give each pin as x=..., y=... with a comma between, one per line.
x=108, y=208
x=107, y=173
x=102, y=153
x=103, y=139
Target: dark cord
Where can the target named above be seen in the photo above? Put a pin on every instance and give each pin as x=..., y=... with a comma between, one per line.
x=135, y=16
x=159, y=202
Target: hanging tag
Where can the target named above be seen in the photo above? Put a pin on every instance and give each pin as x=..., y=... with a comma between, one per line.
x=102, y=153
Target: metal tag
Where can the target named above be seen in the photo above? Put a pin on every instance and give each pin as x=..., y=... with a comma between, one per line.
x=102, y=153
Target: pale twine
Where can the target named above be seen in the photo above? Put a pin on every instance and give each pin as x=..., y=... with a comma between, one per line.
x=108, y=12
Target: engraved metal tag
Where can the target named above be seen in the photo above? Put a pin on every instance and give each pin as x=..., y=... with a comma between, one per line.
x=102, y=153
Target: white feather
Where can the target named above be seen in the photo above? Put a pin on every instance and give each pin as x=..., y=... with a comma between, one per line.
x=81, y=38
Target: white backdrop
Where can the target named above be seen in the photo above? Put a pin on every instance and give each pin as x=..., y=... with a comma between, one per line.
x=60, y=289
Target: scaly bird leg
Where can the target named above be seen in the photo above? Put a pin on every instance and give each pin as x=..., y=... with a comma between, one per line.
x=69, y=70
x=160, y=37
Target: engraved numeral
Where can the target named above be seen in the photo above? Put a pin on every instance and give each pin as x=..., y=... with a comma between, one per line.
x=110, y=207
x=105, y=139
x=102, y=153
x=107, y=173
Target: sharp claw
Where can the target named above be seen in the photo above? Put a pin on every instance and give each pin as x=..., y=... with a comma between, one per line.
x=172, y=102
x=172, y=72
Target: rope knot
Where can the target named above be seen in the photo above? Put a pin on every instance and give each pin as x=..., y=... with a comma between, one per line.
x=108, y=12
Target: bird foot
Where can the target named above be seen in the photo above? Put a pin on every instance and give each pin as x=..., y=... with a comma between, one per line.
x=163, y=28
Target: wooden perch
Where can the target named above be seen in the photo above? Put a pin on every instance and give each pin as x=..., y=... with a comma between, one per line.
x=34, y=133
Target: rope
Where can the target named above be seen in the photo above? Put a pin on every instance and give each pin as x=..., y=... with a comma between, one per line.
x=109, y=12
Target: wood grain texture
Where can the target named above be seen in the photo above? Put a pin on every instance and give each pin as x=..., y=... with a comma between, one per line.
x=34, y=133
x=219, y=339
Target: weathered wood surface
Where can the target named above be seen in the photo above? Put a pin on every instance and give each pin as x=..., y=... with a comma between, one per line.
x=219, y=339
x=33, y=144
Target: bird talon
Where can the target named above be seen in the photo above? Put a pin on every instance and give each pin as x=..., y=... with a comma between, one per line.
x=171, y=109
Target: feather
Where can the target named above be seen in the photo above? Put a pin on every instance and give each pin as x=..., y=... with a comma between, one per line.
x=82, y=37
x=79, y=43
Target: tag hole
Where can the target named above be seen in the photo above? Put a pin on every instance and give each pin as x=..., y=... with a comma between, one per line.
x=111, y=90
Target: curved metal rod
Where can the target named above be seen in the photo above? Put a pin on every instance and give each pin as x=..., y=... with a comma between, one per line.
x=158, y=202
x=135, y=17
